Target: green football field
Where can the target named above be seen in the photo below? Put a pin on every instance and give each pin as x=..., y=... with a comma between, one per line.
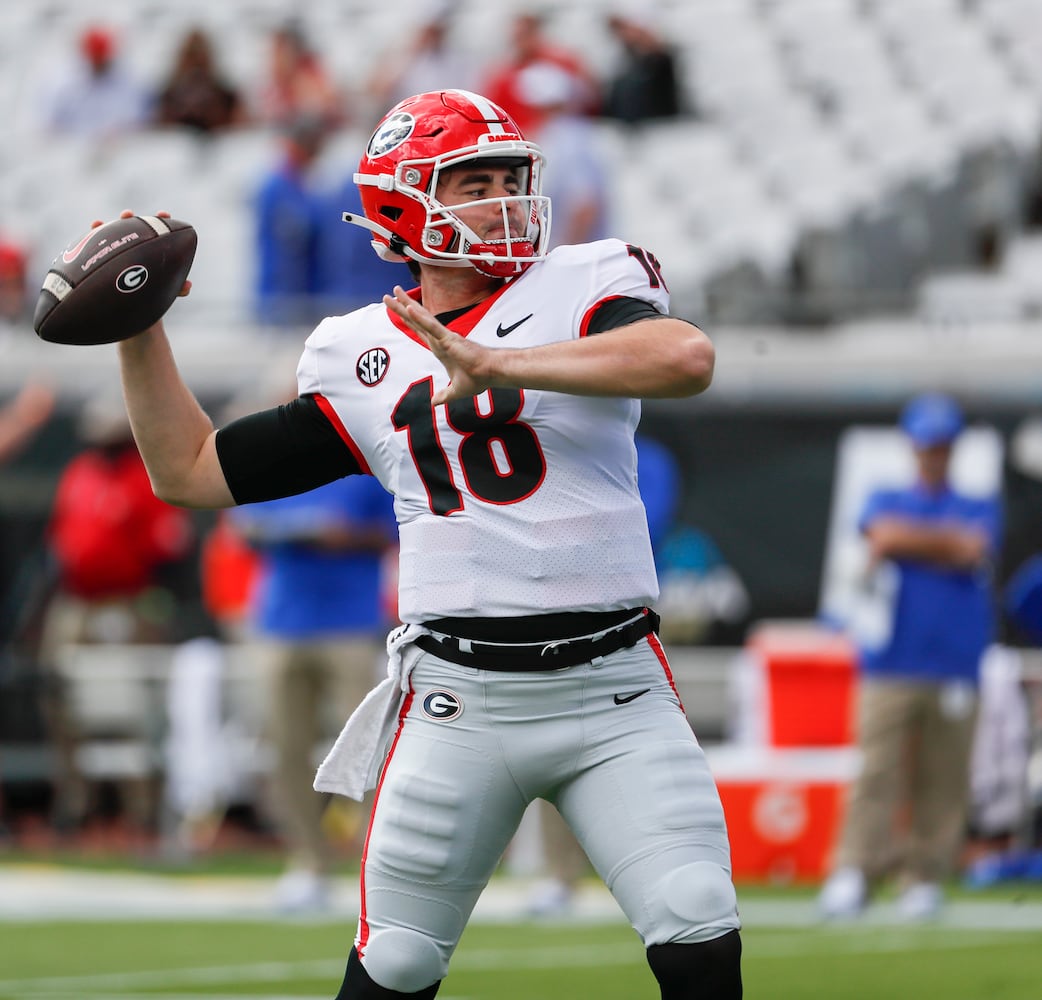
x=135, y=959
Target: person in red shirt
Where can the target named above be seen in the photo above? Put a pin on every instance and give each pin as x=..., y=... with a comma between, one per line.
x=13, y=288
x=108, y=538
x=108, y=531
x=530, y=45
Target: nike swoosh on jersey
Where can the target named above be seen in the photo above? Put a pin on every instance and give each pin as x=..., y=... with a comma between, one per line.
x=625, y=699
x=502, y=331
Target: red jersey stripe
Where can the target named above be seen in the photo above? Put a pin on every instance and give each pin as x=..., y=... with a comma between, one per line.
x=331, y=415
x=363, y=924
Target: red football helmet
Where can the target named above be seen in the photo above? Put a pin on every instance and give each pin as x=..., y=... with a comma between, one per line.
x=398, y=179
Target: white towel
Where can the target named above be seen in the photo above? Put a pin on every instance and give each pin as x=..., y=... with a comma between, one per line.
x=353, y=764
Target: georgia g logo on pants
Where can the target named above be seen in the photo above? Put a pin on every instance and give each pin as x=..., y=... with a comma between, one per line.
x=442, y=706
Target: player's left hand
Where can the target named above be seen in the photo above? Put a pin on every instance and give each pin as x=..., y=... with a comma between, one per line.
x=467, y=362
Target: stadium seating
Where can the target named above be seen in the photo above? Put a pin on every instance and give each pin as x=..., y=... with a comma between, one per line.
x=824, y=128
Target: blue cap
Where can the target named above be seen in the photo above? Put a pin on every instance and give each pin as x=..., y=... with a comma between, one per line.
x=931, y=420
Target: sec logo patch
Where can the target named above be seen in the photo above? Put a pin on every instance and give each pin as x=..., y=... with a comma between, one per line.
x=371, y=366
x=442, y=706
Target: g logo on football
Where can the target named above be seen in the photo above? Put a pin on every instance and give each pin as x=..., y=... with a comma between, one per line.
x=442, y=706
x=132, y=278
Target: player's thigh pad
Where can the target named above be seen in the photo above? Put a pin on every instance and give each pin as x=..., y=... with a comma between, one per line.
x=445, y=810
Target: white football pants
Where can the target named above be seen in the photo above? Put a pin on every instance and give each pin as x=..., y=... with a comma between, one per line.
x=606, y=742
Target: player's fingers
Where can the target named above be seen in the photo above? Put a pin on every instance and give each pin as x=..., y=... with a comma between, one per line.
x=128, y=213
x=395, y=306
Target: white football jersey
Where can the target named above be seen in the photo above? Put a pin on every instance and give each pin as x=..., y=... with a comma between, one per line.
x=515, y=502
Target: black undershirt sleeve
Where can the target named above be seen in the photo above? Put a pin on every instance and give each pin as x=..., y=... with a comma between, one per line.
x=620, y=312
x=290, y=449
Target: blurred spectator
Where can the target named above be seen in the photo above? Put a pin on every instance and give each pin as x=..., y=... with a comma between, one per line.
x=320, y=613
x=195, y=93
x=228, y=571
x=96, y=95
x=1000, y=760
x=702, y=598
x=22, y=416
x=919, y=677
x=429, y=62
x=110, y=539
x=349, y=274
x=298, y=85
x=20, y=419
x=1022, y=601
x=14, y=299
x=310, y=263
x=529, y=44
x=204, y=770
x=576, y=181
x=643, y=86
x=286, y=218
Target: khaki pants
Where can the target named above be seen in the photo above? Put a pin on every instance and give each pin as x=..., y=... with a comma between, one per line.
x=312, y=688
x=907, y=809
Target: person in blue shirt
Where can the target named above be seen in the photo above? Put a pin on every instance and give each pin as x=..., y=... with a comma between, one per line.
x=348, y=275
x=286, y=217
x=309, y=263
x=919, y=678
x=320, y=611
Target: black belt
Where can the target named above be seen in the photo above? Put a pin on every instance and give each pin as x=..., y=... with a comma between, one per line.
x=552, y=655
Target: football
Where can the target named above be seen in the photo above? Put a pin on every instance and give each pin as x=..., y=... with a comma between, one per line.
x=115, y=281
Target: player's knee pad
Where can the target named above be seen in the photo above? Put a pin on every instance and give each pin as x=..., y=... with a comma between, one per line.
x=398, y=963
x=696, y=902
x=700, y=969
x=359, y=985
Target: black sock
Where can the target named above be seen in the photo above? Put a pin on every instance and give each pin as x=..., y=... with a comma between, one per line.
x=707, y=970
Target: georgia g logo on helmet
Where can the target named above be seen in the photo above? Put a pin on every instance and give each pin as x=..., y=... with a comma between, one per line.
x=391, y=133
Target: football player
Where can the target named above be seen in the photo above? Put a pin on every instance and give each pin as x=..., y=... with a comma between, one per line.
x=497, y=401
